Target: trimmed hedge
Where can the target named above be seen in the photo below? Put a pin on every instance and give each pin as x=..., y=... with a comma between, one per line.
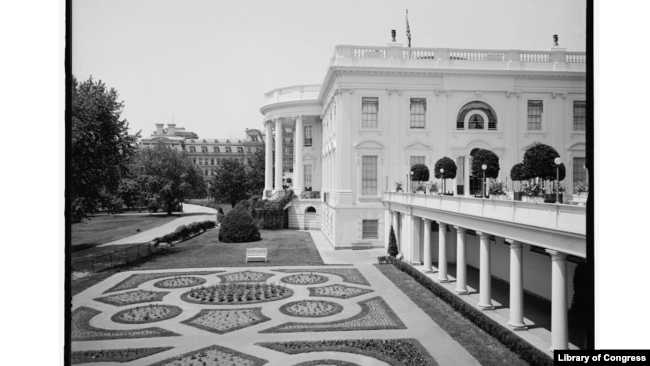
x=239, y=226
x=184, y=232
x=518, y=345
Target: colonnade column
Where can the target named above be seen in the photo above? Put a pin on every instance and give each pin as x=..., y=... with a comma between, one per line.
x=398, y=230
x=485, y=291
x=427, y=245
x=467, y=170
x=442, y=252
x=516, y=286
x=559, y=313
x=278, y=155
x=268, y=167
x=461, y=261
x=298, y=176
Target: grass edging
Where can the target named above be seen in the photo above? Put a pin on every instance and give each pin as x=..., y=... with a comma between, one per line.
x=516, y=344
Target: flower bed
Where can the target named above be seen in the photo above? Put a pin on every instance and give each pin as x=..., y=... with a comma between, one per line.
x=351, y=275
x=375, y=314
x=338, y=291
x=304, y=279
x=224, y=321
x=132, y=297
x=311, y=308
x=136, y=280
x=326, y=363
x=81, y=330
x=212, y=356
x=236, y=293
x=114, y=355
x=395, y=352
x=246, y=276
x=146, y=314
x=180, y=282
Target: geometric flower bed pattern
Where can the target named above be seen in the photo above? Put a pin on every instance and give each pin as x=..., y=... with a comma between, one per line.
x=136, y=280
x=132, y=297
x=83, y=331
x=180, y=282
x=212, y=356
x=114, y=355
x=350, y=275
x=245, y=276
x=326, y=363
x=236, y=294
x=338, y=291
x=396, y=352
x=224, y=321
x=311, y=308
x=146, y=314
x=304, y=279
x=375, y=314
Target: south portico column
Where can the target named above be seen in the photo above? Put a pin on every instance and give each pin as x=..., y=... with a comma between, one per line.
x=427, y=245
x=559, y=312
x=516, y=286
x=461, y=261
x=278, y=155
x=268, y=167
x=398, y=231
x=298, y=176
x=442, y=252
x=485, y=291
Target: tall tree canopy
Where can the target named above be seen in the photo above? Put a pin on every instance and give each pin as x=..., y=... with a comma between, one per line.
x=167, y=175
x=101, y=147
x=489, y=158
x=449, y=167
x=539, y=161
x=229, y=184
x=255, y=172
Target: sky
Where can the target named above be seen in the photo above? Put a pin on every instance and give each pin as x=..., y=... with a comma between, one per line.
x=206, y=64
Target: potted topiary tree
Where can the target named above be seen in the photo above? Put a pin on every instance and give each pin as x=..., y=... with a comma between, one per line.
x=490, y=160
x=392, y=243
x=553, y=195
x=517, y=174
x=539, y=163
x=445, y=168
x=420, y=174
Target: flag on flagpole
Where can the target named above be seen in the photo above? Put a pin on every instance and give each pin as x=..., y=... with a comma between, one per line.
x=408, y=29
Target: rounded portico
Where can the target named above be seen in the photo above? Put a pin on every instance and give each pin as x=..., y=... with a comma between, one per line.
x=292, y=126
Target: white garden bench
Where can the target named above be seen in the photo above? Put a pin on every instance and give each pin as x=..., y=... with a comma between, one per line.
x=256, y=253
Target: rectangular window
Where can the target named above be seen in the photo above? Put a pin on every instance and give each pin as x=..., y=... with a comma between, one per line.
x=228, y=150
x=417, y=160
x=248, y=150
x=308, y=138
x=240, y=150
x=192, y=149
x=460, y=175
x=535, y=109
x=216, y=149
x=370, y=229
x=211, y=161
x=418, y=111
x=579, y=171
x=369, y=175
x=369, y=112
x=579, y=116
x=307, y=170
x=204, y=149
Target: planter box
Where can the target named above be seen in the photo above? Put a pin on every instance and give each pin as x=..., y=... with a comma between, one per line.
x=551, y=197
x=518, y=196
x=581, y=199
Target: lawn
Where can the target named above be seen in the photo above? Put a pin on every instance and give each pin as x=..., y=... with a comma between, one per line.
x=285, y=248
x=105, y=229
x=485, y=348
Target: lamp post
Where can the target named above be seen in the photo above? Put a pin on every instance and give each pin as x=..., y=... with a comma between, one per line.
x=557, y=161
x=443, y=180
x=411, y=181
x=483, y=167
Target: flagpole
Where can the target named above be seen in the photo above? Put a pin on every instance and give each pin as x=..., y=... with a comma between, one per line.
x=408, y=31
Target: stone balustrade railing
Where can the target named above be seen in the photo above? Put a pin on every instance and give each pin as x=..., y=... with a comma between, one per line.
x=291, y=93
x=567, y=218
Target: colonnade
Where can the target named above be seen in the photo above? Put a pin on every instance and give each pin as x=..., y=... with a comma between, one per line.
x=298, y=174
x=559, y=312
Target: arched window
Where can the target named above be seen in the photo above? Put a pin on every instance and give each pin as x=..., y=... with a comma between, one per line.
x=310, y=209
x=473, y=115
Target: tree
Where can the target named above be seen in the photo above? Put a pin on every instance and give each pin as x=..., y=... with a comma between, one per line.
x=255, y=173
x=539, y=161
x=230, y=183
x=489, y=158
x=420, y=173
x=101, y=147
x=392, y=243
x=449, y=167
x=238, y=227
x=517, y=172
x=167, y=176
x=130, y=192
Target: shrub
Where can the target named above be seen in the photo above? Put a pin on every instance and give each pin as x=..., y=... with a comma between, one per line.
x=153, y=206
x=517, y=172
x=220, y=216
x=448, y=165
x=392, y=243
x=238, y=227
x=420, y=173
x=539, y=161
x=183, y=232
x=523, y=349
x=489, y=158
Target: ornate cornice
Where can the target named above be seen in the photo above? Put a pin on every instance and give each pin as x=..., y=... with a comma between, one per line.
x=478, y=94
x=563, y=94
x=441, y=91
x=447, y=72
x=391, y=91
x=515, y=93
x=295, y=103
